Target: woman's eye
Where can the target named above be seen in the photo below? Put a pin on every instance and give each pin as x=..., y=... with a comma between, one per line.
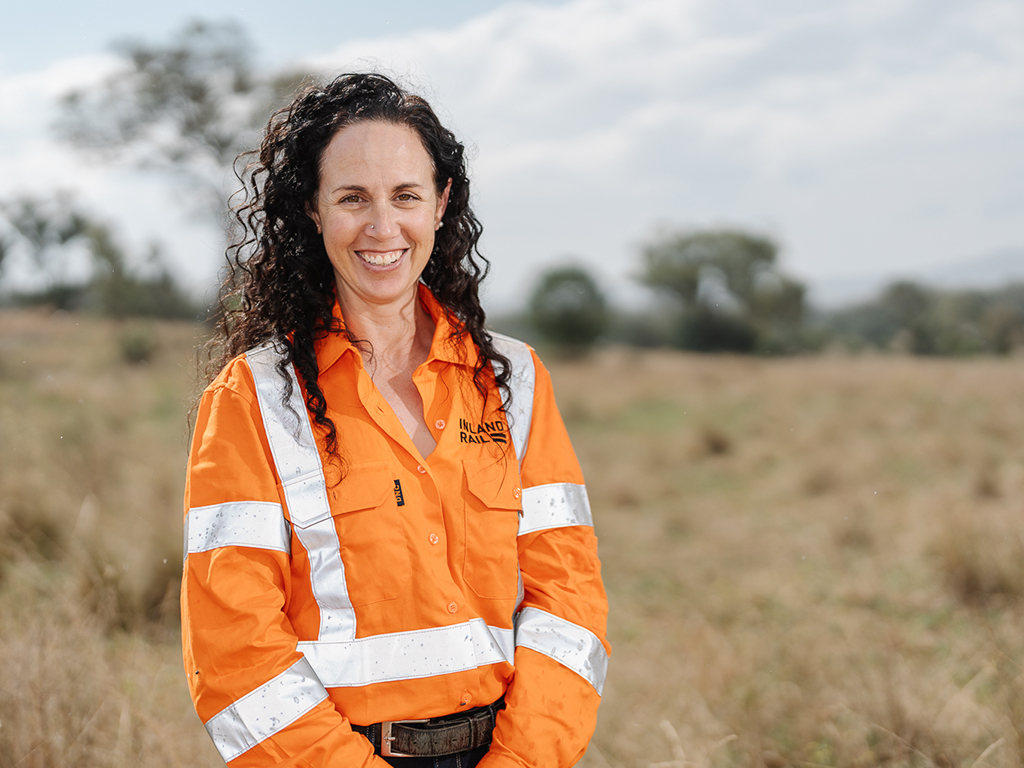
x=350, y=199
x=406, y=197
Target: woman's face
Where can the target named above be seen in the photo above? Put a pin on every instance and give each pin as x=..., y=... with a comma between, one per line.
x=378, y=210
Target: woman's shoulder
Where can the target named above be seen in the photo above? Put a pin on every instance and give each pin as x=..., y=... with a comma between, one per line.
x=238, y=374
x=522, y=357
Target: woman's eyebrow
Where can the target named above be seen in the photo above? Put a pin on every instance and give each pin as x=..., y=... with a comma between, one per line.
x=361, y=188
x=349, y=188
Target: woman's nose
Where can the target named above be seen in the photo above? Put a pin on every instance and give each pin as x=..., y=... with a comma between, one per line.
x=382, y=222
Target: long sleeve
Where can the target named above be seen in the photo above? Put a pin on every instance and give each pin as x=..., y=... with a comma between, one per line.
x=561, y=652
x=259, y=698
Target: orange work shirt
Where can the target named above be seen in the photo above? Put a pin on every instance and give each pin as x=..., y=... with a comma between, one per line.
x=379, y=584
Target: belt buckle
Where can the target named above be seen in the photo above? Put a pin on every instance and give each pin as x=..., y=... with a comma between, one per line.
x=386, y=738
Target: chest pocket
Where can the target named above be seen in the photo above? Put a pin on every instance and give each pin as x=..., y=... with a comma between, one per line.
x=374, y=544
x=492, y=502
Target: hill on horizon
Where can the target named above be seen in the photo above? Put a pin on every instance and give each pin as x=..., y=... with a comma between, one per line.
x=991, y=270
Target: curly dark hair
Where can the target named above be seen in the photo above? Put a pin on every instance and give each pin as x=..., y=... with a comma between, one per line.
x=280, y=283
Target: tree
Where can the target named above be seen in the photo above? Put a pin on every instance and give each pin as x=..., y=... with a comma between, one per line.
x=5, y=247
x=1002, y=326
x=732, y=294
x=46, y=230
x=50, y=230
x=568, y=309
x=119, y=291
x=912, y=309
x=190, y=106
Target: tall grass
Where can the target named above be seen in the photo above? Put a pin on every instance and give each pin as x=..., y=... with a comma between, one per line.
x=92, y=444
x=812, y=561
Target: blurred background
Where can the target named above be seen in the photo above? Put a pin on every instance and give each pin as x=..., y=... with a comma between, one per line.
x=774, y=254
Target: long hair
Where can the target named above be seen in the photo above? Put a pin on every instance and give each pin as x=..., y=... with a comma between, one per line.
x=280, y=283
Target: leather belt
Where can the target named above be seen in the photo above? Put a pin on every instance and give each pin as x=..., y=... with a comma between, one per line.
x=435, y=737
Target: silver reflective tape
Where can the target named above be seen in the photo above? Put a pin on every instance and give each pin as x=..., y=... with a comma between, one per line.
x=522, y=382
x=269, y=709
x=290, y=434
x=298, y=463
x=256, y=524
x=327, y=580
x=556, y=505
x=571, y=645
x=520, y=590
x=409, y=655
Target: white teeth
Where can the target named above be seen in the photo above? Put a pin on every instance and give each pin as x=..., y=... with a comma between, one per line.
x=380, y=259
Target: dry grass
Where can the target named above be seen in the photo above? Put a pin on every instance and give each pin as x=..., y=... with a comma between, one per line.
x=810, y=561
x=91, y=454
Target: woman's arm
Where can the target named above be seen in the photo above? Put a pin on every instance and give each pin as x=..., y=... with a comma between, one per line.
x=258, y=697
x=561, y=652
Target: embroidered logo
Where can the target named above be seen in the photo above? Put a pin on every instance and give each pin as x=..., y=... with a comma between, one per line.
x=398, y=493
x=485, y=432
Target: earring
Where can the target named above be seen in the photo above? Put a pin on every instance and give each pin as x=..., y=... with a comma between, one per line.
x=439, y=225
x=318, y=229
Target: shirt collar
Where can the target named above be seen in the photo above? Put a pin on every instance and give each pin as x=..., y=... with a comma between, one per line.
x=443, y=347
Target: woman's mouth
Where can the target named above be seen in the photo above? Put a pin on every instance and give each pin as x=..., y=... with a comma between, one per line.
x=381, y=258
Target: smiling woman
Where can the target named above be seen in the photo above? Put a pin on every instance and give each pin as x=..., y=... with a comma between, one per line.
x=377, y=210
x=390, y=552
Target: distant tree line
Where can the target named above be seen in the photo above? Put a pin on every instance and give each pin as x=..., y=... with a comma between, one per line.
x=914, y=318
x=719, y=291
x=722, y=291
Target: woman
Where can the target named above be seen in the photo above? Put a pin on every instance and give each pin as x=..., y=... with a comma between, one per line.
x=385, y=521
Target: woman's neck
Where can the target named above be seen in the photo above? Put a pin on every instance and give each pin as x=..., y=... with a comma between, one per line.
x=399, y=333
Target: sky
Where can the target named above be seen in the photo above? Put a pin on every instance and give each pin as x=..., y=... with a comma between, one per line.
x=869, y=138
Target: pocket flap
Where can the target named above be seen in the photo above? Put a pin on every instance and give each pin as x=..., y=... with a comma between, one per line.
x=494, y=482
x=365, y=486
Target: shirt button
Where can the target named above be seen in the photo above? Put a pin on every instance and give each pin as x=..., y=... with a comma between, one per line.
x=467, y=698
x=439, y=423
x=517, y=492
x=420, y=469
x=433, y=538
x=453, y=607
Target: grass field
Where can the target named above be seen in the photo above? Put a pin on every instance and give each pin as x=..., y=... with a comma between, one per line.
x=810, y=561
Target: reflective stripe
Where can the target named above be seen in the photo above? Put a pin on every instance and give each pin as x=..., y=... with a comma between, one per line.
x=269, y=709
x=522, y=382
x=297, y=459
x=520, y=590
x=571, y=645
x=296, y=455
x=258, y=524
x=327, y=580
x=556, y=505
x=409, y=655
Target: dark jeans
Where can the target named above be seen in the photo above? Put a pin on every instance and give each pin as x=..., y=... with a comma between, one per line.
x=461, y=760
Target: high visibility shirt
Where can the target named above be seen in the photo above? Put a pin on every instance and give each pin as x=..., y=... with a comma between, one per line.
x=393, y=586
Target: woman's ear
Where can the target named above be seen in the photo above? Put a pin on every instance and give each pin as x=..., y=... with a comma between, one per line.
x=315, y=215
x=442, y=205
